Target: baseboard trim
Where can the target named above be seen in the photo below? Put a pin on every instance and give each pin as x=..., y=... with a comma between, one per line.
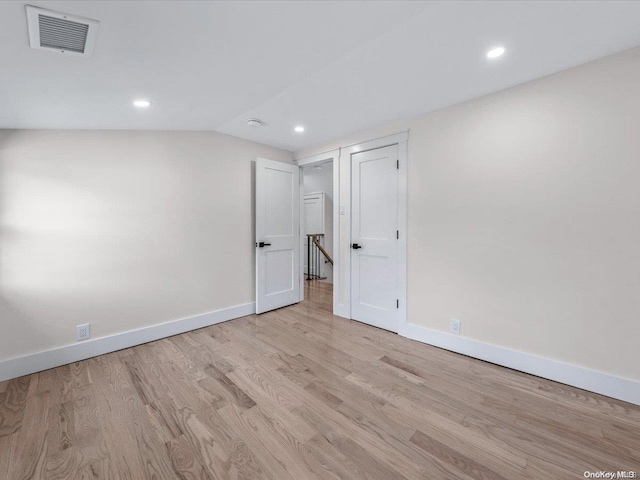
x=37, y=362
x=592, y=380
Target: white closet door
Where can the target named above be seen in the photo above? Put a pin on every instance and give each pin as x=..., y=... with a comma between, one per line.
x=374, y=225
x=277, y=234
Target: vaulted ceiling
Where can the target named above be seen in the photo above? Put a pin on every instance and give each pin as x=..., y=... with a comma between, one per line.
x=333, y=67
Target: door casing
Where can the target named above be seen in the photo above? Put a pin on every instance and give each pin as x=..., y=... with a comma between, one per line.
x=332, y=156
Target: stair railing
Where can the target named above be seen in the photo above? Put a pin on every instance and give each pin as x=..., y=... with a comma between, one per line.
x=315, y=252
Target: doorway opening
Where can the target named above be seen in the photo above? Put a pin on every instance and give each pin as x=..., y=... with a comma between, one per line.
x=317, y=228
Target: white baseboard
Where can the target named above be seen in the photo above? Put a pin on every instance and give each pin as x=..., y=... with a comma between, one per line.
x=17, y=367
x=592, y=380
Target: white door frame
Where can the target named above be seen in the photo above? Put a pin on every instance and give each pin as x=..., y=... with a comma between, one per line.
x=332, y=156
x=342, y=223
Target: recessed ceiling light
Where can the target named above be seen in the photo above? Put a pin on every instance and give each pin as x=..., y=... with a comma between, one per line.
x=299, y=129
x=254, y=122
x=142, y=103
x=496, y=52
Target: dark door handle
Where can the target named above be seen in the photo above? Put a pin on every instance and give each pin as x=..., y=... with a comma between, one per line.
x=262, y=244
x=355, y=246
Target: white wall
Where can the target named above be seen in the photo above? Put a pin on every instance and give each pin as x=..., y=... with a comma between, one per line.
x=321, y=180
x=121, y=229
x=524, y=216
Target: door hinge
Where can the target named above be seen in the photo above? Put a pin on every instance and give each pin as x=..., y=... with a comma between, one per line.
x=397, y=164
x=398, y=303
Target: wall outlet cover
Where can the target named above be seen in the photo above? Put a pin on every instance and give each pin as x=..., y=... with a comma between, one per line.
x=454, y=326
x=83, y=332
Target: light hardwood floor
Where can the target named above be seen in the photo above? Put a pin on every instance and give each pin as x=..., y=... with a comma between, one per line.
x=301, y=394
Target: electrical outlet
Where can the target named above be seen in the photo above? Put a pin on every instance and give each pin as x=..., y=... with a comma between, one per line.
x=454, y=326
x=83, y=332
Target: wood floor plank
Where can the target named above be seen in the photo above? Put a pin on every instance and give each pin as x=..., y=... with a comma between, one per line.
x=228, y=388
x=215, y=448
x=455, y=458
x=163, y=422
x=185, y=460
x=147, y=390
x=79, y=373
x=189, y=404
x=13, y=403
x=398, y=437
x=6, y=443
x=29, y=447
x=271, y=452
x=153, y=457
x=177, y=352
x=100, y=470
x=217, y=334
x=72, y=463
x=278, y=431
x=243, y=461
x=338, y=462
x=117, y=399
x=88, y=434
x=455, y=435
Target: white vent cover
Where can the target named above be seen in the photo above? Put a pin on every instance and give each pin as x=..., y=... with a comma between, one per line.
x=60, y=32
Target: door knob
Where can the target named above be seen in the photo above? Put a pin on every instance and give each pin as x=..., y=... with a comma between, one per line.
x=355, y=246
x=262, y=244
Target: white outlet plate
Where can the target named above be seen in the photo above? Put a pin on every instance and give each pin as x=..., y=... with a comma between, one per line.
x=83, y=332
x=454, y=326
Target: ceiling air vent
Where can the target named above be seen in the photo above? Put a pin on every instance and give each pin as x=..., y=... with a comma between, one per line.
x=60, y=32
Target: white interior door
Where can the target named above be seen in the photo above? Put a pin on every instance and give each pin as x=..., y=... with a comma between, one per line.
x=277, y=234
x=374, y=227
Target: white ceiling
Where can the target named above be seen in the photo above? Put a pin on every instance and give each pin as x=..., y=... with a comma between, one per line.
x=334, y=67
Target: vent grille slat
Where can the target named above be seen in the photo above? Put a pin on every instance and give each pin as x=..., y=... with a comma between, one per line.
x=67, y=24
x=56, y=27
x=63, y=37
x=55, y=35
x=62, y=34
x=78, y=33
